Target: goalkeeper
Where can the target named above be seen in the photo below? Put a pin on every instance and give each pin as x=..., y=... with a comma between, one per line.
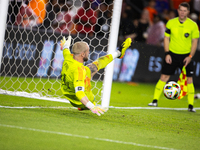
x=75, y=77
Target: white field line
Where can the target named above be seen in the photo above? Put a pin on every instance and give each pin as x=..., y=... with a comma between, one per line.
x=86, y=137
x=150, y=108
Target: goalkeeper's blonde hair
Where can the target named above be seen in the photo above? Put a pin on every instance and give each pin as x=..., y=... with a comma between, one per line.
x=79, y=47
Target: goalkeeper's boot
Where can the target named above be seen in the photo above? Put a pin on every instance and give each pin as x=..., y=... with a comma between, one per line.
x=125, y=45
x=191, y=109
x=81, y=109
x=154, y=103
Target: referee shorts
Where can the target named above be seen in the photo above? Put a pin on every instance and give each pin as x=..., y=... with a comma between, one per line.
x=177, y=62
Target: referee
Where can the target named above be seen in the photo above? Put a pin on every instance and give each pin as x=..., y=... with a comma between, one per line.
x=180, y=43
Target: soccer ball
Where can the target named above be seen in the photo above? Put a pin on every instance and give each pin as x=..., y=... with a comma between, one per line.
x=172, y=90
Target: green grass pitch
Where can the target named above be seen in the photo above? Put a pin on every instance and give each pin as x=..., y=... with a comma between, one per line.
x=46, y=125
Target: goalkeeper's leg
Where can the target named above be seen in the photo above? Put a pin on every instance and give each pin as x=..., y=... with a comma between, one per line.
x=103, y=61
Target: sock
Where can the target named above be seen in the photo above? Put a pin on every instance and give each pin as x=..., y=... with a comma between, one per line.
x=158, y=89
x=190, y=88
x=103, y=61
x=116, y=54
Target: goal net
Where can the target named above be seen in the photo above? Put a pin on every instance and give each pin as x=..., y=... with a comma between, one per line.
x=31, y=59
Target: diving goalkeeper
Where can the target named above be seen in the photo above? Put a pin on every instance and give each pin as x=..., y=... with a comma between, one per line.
x=75, y=77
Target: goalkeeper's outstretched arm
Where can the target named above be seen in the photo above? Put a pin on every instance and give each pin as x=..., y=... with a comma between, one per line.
x=95, y=109
x=65, y=44
x=80, y=94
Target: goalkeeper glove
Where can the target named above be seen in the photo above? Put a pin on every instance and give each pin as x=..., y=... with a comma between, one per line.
x=95, y=109
x=65, y=43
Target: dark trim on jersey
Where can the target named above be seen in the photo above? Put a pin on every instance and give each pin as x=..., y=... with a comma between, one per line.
x=168, y=31
x=181, y=22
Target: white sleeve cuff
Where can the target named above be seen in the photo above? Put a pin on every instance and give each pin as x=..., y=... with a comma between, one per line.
x=89, y=105
x=65, y=47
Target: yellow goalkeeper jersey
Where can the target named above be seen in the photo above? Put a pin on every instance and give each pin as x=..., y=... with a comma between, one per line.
x=75, y=77
x=181, y=35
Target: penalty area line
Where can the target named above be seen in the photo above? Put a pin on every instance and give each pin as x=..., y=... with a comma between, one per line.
x=85, y=137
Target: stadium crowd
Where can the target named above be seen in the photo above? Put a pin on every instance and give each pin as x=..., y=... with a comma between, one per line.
x=142, y=21
x=145, y=20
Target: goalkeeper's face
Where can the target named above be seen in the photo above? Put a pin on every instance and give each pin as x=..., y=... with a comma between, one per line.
x=86, y=54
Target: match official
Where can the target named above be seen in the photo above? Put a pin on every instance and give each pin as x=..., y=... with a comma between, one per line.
x=180, y=43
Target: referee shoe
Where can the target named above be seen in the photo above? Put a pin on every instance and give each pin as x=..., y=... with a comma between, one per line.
x=154, y=103
x=126, y=44
x=191, y=109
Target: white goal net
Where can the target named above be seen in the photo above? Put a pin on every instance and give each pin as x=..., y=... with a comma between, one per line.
x=31, y=57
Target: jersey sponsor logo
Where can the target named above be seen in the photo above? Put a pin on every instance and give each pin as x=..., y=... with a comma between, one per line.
x=187, y=34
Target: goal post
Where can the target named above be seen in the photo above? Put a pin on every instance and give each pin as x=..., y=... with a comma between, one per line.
x=31, y=59
x=3, y=16
x=113, y=38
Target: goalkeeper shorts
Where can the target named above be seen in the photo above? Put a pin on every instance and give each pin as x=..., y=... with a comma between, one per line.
x=177, y=62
